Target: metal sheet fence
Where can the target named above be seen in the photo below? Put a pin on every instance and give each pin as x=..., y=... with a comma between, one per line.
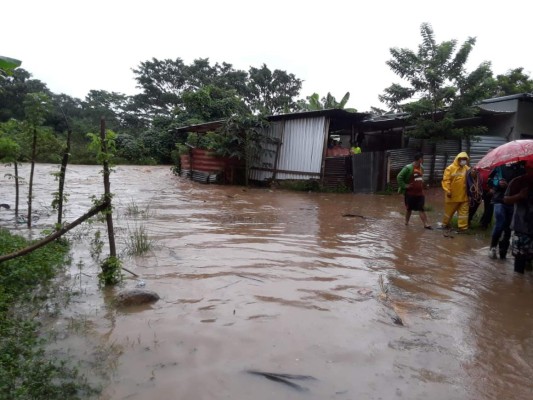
x=369, y=174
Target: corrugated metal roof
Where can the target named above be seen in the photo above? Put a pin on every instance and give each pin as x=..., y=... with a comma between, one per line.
x=342, y=116
x=520, y=96
x=202, y=128
x=332, y=112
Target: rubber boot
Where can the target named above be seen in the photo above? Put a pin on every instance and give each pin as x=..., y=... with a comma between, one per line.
x=519, y=264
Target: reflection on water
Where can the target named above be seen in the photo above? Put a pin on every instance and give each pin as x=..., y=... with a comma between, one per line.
x=287, y=283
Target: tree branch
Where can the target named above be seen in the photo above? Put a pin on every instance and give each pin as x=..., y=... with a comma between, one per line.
x=93, y=211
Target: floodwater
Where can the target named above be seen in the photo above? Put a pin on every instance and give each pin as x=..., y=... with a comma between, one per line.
x=333, y=287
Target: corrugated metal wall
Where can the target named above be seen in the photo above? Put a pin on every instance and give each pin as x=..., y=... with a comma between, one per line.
x=368, y=172
x=524, y=126
x=301, y=151
x=336, y=172
x=477, y=149
x=206, y=167
x=436, y=158
x=445, y=152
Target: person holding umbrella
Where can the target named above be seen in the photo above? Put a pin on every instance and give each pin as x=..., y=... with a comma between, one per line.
x=456, y=195
x=520, y=193
x=498, y=181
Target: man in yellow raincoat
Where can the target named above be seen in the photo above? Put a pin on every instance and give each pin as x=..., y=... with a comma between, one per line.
x=456, y=195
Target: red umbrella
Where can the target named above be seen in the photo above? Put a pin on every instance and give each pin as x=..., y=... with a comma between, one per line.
x=517, y=150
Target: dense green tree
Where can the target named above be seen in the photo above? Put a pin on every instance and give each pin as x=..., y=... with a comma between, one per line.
x=200, y=74
x=438, y=89
x=272, y=92
x=162, y=82
x=515, y=81
x=66, y=112
x=108, y=105
x=13, y=90
x=211, y=103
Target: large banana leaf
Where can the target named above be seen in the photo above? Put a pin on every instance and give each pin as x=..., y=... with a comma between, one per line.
x=344, y=100
x=7, y=64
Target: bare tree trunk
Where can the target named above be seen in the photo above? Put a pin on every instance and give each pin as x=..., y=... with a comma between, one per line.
x=107, y=191
x=32, y=169
x=247, y=157
x=62, y=174
x=16, y=191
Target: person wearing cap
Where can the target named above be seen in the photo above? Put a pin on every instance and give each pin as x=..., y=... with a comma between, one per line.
x=455, y=192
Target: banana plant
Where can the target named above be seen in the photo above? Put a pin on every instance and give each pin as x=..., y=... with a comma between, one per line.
x=315, y=103
x=7, y=65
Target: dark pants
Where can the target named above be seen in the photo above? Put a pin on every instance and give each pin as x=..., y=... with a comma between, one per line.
x=488, y=210
x=520, y=263
x=503, y=214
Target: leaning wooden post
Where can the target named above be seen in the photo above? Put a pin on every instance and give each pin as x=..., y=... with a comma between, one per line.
x=107, y=190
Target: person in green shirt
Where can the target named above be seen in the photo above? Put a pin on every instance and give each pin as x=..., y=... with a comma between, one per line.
x=356, y=149
x=411, y=184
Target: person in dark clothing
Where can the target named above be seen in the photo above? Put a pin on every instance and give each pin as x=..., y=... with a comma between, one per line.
x=498, y=181
x=486, y=198
x=475, y=192
x=488, y=208
x=520, y=194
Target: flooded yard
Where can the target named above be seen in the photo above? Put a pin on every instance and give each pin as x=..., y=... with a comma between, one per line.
x=332, y=287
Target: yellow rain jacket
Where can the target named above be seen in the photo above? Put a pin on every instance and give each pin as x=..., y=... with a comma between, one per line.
x=454, y=180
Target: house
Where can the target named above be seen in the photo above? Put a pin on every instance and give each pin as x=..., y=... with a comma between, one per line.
x=298, y=149
x=506, y=118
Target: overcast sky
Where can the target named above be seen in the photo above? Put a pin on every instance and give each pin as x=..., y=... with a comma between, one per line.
x=333, y=46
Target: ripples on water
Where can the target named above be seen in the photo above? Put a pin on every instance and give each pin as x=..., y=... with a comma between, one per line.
x=289, y=283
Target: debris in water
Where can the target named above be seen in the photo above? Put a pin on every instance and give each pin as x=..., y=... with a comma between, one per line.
x=353, y=216
x=284, y=378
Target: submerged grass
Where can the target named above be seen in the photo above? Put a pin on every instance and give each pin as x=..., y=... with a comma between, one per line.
x=26, y=370
x=138, y=241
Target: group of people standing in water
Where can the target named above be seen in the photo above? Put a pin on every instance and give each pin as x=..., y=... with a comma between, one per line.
x=507, y=195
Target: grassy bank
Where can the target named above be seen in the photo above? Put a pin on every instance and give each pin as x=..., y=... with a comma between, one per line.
x=26, y=371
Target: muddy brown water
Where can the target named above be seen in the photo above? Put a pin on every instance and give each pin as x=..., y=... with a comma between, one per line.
x=288, y=283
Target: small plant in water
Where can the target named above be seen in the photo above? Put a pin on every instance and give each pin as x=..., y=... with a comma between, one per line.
x=138, y=241
x=96, y=246
x=133, y=210
x=111, y=272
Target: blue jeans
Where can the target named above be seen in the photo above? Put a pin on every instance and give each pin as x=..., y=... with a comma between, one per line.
x=503, y=215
